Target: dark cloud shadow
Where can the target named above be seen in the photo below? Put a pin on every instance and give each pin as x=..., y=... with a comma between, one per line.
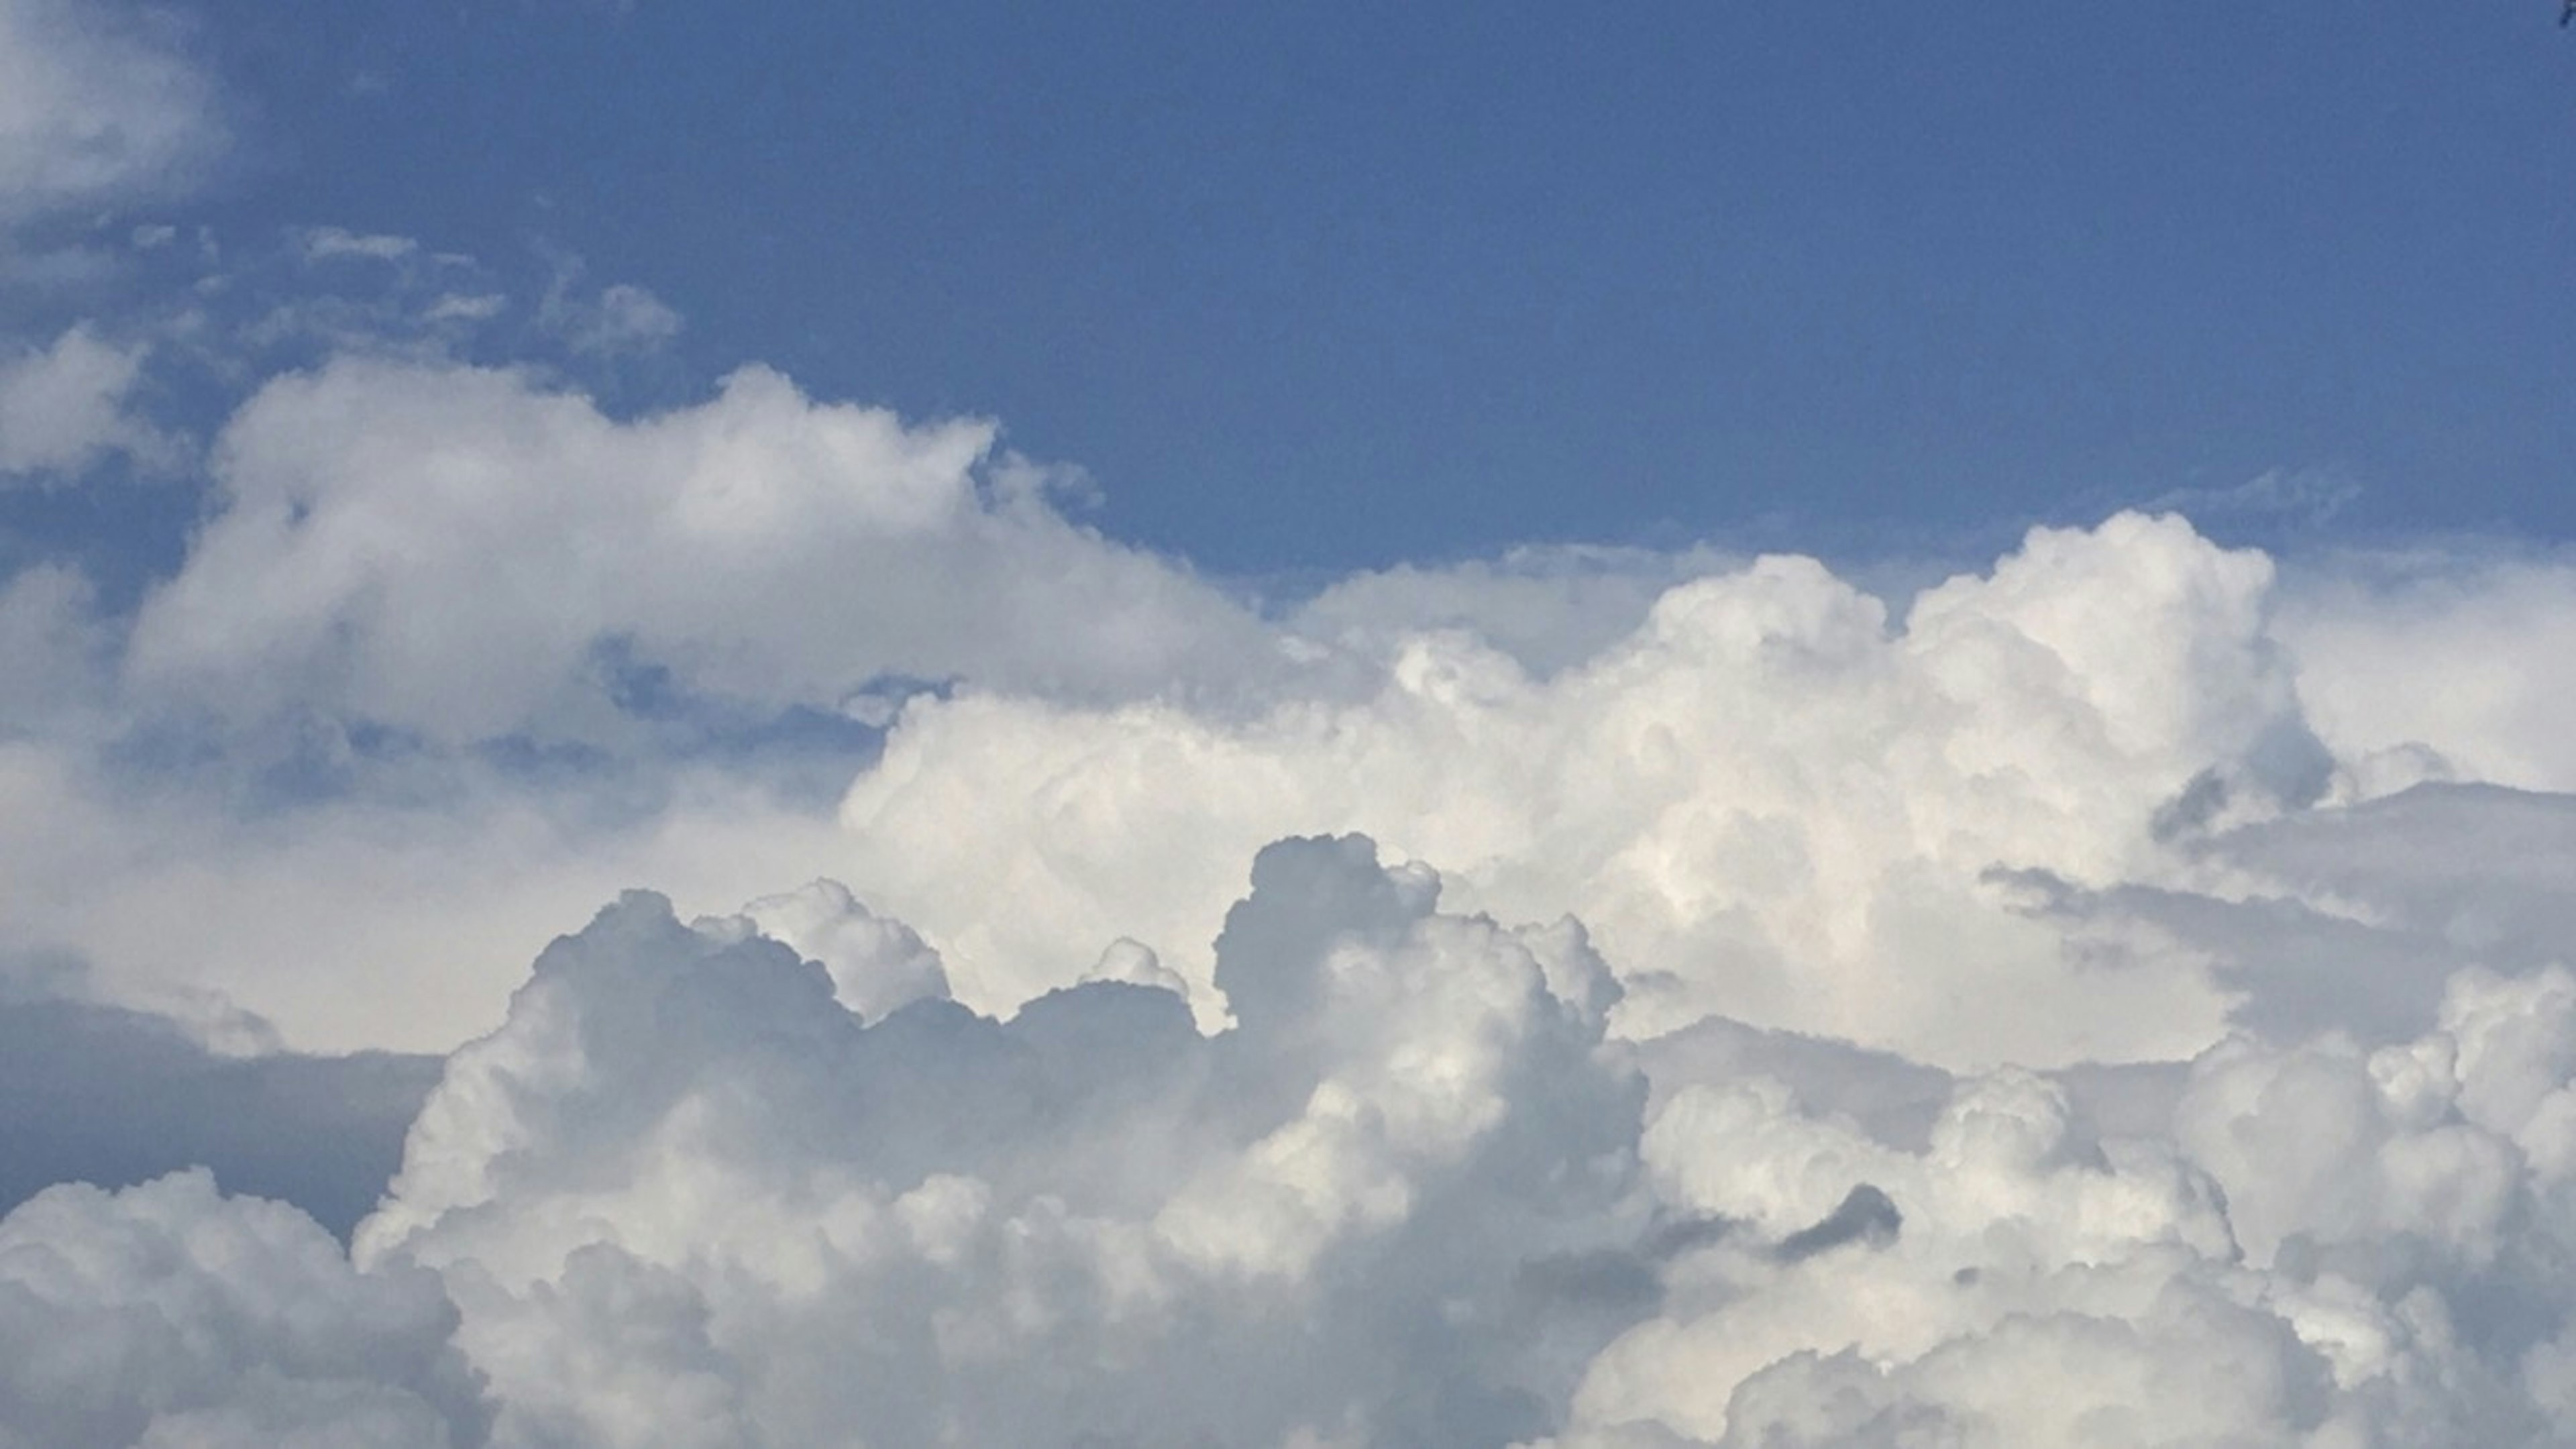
x=111, y=1096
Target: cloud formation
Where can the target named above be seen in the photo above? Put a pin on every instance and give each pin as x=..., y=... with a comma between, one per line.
x=2117, y=995
x=1377, y=1167
x=1770, y=799
x=1088, y=1221
x=1414, y=1193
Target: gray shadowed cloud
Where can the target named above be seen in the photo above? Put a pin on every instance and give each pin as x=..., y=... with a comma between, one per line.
x=1865, y=1215
x=113, y=1096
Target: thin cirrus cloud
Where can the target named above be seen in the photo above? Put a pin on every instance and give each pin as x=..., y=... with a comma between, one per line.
x=1595, y=998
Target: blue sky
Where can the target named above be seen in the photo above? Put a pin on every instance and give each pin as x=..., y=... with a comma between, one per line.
x=1340, y=285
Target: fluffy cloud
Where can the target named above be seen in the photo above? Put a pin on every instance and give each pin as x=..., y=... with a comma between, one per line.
x=1769, y=799
x=169, y=1316
x=2320, y=1246
x=98, y=105
x=1414, y=1193
x=361, y=922
x=65, y=406
x=2118, y=996
x=2118, y=968
x=685, y=1197
x=2441, y=665
x=463, y=554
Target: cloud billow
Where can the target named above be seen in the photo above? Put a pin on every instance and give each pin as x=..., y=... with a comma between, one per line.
x=2022, y=985
x=2118, y=995
x=1414, y=1193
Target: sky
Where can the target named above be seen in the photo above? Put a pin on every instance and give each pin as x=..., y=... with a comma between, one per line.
x=1711, y=726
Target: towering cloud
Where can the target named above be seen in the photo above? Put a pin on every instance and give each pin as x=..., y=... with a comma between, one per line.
x=2117, y=996
x=1770, y=800
x=685, y=1197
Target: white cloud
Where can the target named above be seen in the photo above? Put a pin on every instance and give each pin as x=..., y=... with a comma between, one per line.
x=2321, y=1248
x=99, y=104
x=168, y=1316
x=1546, y=607
x=683, y=1197
x=626, y=318
x=2459, y=665
x=1343, y=1162
x=464, y=554
x=1771, y=801
x=66, y=406
x=878, y=966
x=364, y=922
x=335, y=243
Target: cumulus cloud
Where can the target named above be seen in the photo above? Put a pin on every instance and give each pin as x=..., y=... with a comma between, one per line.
x=359, y=921
x=2320, y=1246
x=2441, y=665
x=1414, y=1192
x=684, y=1197
x=2134, y=966
x=464, y=553
x=626, y=318
x=167, y=1315
x=1771, y=799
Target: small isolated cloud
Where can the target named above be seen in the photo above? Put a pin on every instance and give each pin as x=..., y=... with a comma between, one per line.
x=625, y=319
x=70, y=404
x=2304, y=497
x=332, y=243
x=466, y=307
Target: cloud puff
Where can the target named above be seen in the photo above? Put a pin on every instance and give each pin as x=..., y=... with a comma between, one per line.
x=1770, y=799
x=463, y=554
x=2321, y=1246
x=67, y=405
x=684, y=1197
x=100, y=104
x=167, y=1316
x=1414, y=1193
x=2442, y=665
